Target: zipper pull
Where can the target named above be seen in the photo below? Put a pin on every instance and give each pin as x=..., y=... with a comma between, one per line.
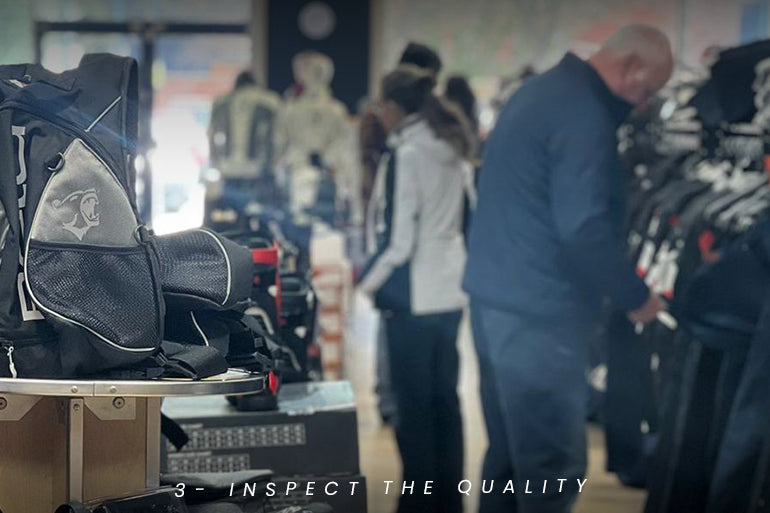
x=56, y=163
x=11, y=365
x=142, y=234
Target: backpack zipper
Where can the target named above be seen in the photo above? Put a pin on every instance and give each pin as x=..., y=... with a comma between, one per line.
x=14, y=82
x=8, y=346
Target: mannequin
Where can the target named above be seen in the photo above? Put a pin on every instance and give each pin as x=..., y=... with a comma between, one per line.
x=242, y=135
x=314, y=131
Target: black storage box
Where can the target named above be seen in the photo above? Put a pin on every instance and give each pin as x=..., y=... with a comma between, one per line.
x=313, y=432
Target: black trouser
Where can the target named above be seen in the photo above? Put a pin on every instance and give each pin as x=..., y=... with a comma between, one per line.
x=424, y=368
x=386, y=403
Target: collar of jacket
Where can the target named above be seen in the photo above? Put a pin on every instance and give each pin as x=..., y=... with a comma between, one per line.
x=408, y=126
x=618, y=107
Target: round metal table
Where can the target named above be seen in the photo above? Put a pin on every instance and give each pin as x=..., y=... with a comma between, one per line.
x=102, y=432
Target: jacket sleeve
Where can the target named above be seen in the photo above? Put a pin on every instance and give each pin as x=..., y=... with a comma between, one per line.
x=581, y=194
x=403, y=233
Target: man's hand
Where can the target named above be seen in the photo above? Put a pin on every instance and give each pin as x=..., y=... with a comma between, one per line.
x=648, y=311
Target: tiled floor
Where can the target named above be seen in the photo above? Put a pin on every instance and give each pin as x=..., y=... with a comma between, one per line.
x=379, y=457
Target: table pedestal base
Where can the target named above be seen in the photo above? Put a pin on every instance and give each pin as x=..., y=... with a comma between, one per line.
x=59, y=449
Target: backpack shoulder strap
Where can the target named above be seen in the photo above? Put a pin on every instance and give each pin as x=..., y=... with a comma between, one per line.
x=272, y=346
x=190, y=361
x=111, y=85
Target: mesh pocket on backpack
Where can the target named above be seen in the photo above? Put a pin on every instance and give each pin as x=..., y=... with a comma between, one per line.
x=110, y=293
x=201, y=269
x=192, y=263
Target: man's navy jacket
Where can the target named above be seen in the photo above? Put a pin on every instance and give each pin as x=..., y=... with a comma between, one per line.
x=548, y=235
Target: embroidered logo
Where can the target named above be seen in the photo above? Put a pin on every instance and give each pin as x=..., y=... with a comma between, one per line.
x=82, y=205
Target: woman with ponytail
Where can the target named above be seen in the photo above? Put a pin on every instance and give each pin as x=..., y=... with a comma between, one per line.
x=415, y=222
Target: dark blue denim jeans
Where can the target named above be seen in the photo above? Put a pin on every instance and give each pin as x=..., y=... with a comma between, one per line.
x=534, y=396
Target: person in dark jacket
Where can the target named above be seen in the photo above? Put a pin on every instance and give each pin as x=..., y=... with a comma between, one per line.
x=459, y=91
x=546, y=248
x=414, y=276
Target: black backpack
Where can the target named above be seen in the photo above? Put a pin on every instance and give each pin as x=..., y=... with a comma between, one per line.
x=73, y=251
x=83, y=284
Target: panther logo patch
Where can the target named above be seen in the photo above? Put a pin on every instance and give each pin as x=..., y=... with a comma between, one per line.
x=82, y=205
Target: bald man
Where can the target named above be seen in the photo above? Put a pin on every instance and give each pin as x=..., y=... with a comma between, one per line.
x=546, y=249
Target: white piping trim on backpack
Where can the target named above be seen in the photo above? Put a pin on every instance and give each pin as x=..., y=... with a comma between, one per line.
x=197, y=327
x=3, y=236
x=104, y=113
x=29, y=287
x=257, y=311
x=227, y=260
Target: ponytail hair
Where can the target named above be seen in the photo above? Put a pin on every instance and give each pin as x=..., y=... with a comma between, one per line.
x=411, y=88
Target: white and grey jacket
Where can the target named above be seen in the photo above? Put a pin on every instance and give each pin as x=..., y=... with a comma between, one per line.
x=415, y=224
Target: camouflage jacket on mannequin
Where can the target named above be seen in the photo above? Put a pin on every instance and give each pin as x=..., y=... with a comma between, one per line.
x=242, y=132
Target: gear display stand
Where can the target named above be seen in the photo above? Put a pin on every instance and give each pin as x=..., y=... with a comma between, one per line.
x=64, y=440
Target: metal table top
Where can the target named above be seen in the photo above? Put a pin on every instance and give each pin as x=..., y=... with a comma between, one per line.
x=234, y=382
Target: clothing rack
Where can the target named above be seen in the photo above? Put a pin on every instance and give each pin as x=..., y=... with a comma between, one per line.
x=699, y=196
